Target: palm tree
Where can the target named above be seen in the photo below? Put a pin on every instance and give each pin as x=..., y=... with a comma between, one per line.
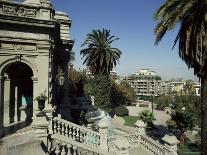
x=192, y=40
x=99, y=55
x=147, y=117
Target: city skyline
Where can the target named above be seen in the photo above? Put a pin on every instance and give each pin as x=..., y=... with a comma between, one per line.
x=131, y=21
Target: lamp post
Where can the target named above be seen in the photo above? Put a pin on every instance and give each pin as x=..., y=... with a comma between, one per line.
x=60, y=82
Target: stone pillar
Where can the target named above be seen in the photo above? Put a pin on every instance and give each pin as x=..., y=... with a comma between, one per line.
x=140, y=130
x=1, y=104
x=170, y=145
x=6, y=101
x=103, y=130
x=35, y=94
x=140, y=127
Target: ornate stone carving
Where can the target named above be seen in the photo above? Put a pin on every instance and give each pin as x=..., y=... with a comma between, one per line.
x=18, y=47
x=8, y=9
x=19, y=11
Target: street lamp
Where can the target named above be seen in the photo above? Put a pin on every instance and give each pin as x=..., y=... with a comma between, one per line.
x=60, y=77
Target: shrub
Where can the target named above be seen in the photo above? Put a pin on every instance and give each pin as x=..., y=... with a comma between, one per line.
x=121, y=111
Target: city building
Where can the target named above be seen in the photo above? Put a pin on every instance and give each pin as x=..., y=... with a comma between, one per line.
x=146, y=83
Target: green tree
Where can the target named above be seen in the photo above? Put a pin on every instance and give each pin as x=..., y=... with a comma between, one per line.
x=192, y=39
x=99, y=55
x=183, y=121
x=102, y=90
x=122, y=94
x=162, y=101
x=147, y=117
x=101, y=58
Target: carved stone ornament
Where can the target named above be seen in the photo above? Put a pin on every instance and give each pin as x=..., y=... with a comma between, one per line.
x=19, y=11
x=18, y=57
x=18, y=47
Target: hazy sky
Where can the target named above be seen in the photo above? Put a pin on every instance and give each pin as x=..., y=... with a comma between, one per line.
x=131, y=21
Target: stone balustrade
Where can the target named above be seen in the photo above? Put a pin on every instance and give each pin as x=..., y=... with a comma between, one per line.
x=65, y=146
x=142, y=141
x=151, y=146
x=75, y=132
x=145, y=143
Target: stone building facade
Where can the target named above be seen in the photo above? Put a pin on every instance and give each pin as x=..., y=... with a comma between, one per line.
x=35, y=46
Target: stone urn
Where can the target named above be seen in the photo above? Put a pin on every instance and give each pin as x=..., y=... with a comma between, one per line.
x=41, y=104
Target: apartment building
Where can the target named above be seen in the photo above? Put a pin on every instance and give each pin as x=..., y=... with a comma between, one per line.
x=146, y=82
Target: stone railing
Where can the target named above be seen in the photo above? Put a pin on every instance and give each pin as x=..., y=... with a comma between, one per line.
x=142, y=141
x=151, y=146
x=145, y=143
x=65, y=146
x=75, y=132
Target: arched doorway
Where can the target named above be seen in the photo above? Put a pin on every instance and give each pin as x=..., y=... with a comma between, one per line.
x=18, y=94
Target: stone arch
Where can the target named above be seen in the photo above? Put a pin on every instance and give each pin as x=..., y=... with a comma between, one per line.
x=16, y=101
x=24, y=60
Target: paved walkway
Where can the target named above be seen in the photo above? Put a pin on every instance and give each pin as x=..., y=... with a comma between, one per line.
x=160, y=116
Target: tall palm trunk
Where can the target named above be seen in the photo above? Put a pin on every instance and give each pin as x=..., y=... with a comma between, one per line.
x=204, y=114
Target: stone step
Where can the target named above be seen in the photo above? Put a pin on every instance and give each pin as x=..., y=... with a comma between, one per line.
x=24, y=144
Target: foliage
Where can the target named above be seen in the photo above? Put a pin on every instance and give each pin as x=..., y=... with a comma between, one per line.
x=121, y=111
x=99, y=55
x=75, y=79
x=187, y=148
x=191, y=36
x=191, y=14
x=147, y=117
x=130, y=120
x=42, y=96
x=122, y=94
x=145, y=98
x=171, y=124
x=102, y=88
x=183, y=121
x=192, y=105
x=162, y=101
x=89, y=87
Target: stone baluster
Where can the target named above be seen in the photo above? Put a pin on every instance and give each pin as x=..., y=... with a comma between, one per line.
x=70, y=132
x=58, y=127
x=78, y=134
x=69, y=146
x=74, y=133
x=63, y=128
x=57, y=149
x=75, y=150
x=170, y=145
x=81, y=136
x=54, y=126
x=63, y=152
x=66, y=130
